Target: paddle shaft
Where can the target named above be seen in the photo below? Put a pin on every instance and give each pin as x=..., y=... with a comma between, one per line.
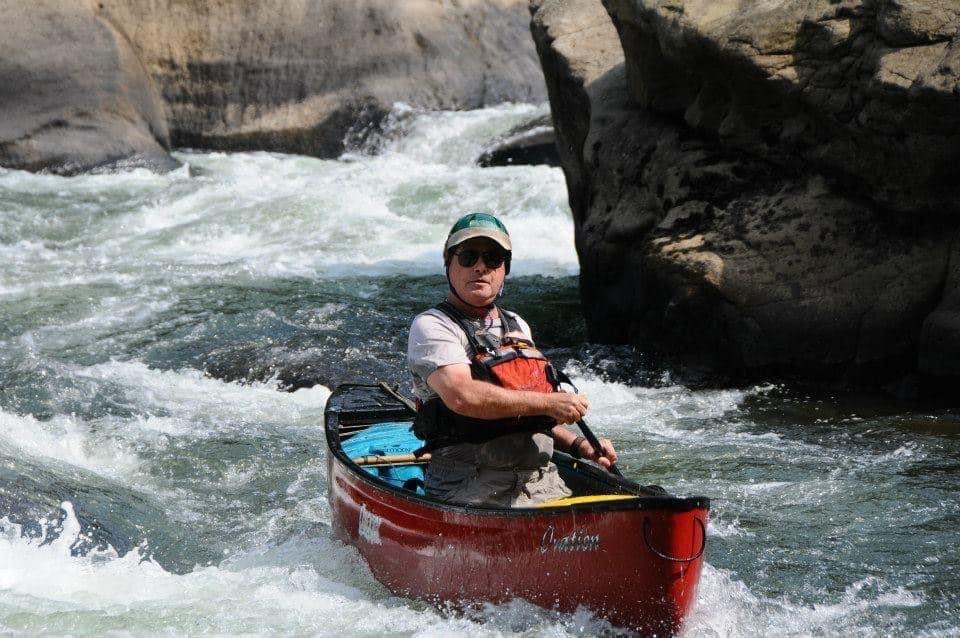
x=394, y=392
x=592, y=439
x=587, y=432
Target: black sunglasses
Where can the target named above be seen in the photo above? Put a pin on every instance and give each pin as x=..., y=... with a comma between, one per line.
x=492, y=258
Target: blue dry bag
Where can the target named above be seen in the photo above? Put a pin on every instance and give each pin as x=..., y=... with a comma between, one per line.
x=388, y=439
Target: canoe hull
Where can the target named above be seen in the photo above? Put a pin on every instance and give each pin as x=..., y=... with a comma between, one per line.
x=635, y=562
x=556, y=559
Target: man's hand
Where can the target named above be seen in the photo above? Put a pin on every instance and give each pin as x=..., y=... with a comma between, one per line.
x=606, y=459
x=564, y=407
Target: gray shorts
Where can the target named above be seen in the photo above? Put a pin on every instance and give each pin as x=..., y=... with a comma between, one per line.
x=478, y=485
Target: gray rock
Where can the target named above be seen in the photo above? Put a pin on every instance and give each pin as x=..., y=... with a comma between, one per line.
x=79, y=81
x=73, y=95
x=939, y=354
x=533, y=142
x=313, y=77
x=729, y=250
x=866, y=91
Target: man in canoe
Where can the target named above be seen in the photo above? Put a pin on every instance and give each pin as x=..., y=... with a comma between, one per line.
x=488, y=409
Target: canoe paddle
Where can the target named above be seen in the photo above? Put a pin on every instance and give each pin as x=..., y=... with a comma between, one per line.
x=633, y=486
x=395, y=393
x=562, y=377
x=595, y=442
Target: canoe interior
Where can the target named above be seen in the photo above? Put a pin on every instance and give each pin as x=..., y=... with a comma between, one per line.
x=366, y=420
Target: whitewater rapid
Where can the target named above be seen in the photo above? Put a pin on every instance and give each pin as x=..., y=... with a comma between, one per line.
x=158, y=475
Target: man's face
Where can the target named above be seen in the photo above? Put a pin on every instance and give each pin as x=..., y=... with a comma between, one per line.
x=478, y=284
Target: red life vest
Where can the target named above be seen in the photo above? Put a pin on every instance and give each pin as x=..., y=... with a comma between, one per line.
x=513, y=362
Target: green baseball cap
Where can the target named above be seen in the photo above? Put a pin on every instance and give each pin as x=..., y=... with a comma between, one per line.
x=478, y=225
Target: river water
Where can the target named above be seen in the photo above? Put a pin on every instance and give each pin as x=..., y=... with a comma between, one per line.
x=167, y=343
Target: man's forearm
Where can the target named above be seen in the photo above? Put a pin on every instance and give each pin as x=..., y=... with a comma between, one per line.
x=562, y=437
x=478, y=399
x=487, y=401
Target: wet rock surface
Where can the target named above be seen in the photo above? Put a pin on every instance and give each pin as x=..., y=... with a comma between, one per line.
x=746, y=251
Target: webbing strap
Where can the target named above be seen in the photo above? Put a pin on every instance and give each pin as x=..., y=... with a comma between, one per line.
x=509, y=325
x=451, y=311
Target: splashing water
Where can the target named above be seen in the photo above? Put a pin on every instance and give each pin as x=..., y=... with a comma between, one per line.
x=154, y=478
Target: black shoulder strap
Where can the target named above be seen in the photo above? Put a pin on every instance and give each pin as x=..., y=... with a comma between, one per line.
x=451, y=311
x=510, y=324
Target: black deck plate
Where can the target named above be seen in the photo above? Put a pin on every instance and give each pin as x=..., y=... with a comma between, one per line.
x=358, y=404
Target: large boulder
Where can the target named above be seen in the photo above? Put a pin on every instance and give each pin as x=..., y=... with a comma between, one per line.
x=73, y=95
x=307, y=76
x=865, y=91
x=760, y=188
x=88, y=84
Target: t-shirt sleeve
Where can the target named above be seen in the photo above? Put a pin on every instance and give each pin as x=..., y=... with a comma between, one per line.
x=434, y=343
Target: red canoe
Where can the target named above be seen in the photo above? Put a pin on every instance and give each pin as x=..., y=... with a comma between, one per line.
x=634, y=560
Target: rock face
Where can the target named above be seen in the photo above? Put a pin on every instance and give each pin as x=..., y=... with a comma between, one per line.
x=302, y=76
x=73, y=95
x=87, y=84
x=764, y=188
x=860, y=90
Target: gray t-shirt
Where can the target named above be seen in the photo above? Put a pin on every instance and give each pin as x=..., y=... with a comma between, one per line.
x=435, y=341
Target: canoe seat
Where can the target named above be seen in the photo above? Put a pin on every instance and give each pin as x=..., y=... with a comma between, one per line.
x=591, y=498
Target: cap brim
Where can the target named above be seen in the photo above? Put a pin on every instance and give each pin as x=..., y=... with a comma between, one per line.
x=470, y=233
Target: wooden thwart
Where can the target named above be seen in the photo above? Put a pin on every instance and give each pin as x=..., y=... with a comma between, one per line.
x=391, y=459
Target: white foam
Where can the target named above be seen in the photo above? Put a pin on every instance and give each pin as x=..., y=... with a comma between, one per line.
x=727, y=528
x=320, y=318
x=766, y=486
x=165, y=406
x=670, y=413
x=453, y=138
x=268, y=215
x=192, y=404
x=907, y=453
x=313, y=586
x=66, y=439
x=682, y=400
x=726, y=607
x=107, y=316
